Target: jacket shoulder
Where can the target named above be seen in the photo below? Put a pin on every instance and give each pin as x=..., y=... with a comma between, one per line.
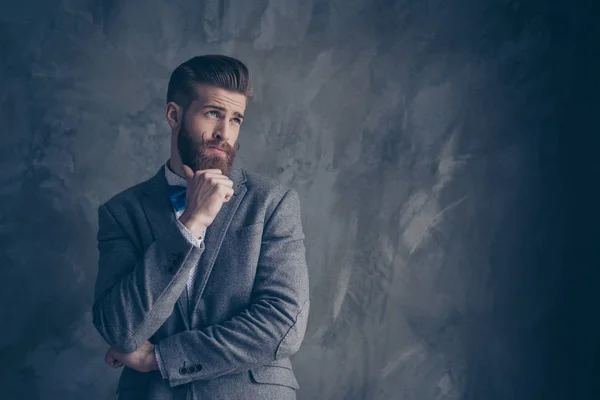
x=126, y=198
x=259, y=183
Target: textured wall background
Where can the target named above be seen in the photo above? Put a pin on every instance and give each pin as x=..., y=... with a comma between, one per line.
x=422, y=136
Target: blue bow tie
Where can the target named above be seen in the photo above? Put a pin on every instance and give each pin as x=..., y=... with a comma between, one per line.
x=177, y=196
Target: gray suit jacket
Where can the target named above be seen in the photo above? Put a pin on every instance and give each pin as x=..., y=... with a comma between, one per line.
x=249, y=310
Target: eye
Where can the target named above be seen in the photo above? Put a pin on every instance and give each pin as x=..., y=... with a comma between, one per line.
x=237, y=121
x=213, y=113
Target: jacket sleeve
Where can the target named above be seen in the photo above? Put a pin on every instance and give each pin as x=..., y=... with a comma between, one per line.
x=273, y=326
x=136, y=290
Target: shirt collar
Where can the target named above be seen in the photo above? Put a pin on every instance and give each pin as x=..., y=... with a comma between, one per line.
x=172, y=178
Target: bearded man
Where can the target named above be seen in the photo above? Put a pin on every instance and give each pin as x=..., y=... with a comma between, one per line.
x=202, y=287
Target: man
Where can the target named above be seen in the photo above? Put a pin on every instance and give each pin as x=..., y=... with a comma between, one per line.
x=202, y=286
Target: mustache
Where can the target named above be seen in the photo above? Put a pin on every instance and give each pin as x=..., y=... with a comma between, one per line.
x=219, y=144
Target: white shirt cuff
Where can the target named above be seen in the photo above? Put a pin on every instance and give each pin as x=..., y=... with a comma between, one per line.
x=189, y=235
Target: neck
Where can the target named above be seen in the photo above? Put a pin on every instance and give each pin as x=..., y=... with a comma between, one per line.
x=175, y=165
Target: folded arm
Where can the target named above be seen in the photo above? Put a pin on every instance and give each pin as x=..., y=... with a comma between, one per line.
x=136, y=290
x=271, y=328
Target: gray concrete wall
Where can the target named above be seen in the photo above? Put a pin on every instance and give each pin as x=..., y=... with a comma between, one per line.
x=422, y=137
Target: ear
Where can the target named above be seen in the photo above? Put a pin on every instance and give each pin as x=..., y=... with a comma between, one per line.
x=174, y=114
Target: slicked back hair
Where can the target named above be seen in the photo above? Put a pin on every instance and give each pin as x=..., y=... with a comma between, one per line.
x=214, y=69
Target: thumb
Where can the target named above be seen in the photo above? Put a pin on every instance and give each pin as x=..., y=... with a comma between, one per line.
x=189, y=174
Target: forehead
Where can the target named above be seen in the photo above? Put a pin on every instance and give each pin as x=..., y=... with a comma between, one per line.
x=212, y=95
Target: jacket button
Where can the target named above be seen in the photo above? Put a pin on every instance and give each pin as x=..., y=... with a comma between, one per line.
x=191, y=369
x=198, y=367
x=182, y=371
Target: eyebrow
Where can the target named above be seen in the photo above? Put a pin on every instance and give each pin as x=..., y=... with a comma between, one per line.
x=237, y=114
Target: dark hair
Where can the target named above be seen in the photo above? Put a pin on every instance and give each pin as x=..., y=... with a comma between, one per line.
x=218, y=70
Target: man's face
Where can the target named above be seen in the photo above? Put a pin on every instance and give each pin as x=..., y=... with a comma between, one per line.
x=208, y=134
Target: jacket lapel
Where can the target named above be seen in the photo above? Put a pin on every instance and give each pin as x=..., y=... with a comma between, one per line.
x=215, y=234
x=159, y=211
x=158, y=208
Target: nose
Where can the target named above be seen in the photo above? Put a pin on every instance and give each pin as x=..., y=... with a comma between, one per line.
x=222, y=131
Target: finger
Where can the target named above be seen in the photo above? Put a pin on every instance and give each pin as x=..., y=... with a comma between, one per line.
x=228, y=194
x=189, y=174
x=227, y=182
x=220, y=180
x=115, y=363
x=108, y=357
x=112, y=361
x=223, y=188
x=208, y=173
